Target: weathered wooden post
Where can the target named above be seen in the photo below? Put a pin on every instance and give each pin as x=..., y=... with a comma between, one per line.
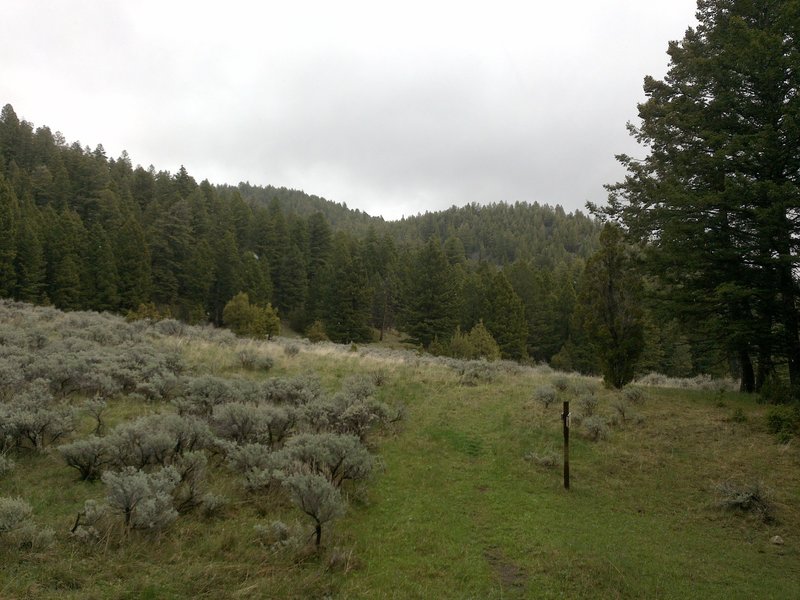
x=565, y=419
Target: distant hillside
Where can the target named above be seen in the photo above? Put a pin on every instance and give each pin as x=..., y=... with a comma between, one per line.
x=502, y=233
x=498, y=233
x=339, y=216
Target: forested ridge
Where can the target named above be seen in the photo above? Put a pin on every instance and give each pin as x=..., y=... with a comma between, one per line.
x=82, y=230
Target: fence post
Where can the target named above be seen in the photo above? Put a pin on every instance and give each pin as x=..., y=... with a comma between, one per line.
x=565, y=420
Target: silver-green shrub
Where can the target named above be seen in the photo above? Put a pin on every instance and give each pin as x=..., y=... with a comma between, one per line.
x=587, y=404
x=89, y=456
x=315, y=496
x=144, y=499
x=34, y=418
x=596, y=428
x=17, y=527
x=335, y=457
x=545, y=395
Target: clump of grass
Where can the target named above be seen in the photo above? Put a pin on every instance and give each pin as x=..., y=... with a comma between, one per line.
x=751, y=498
x=291, y=350
x=739, y=416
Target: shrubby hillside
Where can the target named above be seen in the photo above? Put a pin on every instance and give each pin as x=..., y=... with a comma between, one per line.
x=157, y=459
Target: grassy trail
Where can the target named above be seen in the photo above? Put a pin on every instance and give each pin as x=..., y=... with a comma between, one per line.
x=459, y=513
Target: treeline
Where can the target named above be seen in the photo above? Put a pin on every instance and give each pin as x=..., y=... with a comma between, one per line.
x=81, y=230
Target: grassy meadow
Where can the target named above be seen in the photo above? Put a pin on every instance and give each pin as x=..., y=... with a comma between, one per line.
x=468, y=501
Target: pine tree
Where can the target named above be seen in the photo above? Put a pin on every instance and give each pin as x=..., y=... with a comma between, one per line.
x=430, y=308
x=133, y=264
x=9, y=224
x=505, y=318
x=609, y=305
x=227, y=279
x=100, y=284
x=346, y=309
x=29, y=262
x=65, y=252
x=715, y=200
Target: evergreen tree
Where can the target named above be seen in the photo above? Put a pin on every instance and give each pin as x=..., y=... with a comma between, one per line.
x=715, y=199
x=65, y=252
x=100, y=284
x=346, y=310
x=609, y=305
x=319, y=239
x=132, y=263
x=255, y=278
x=9, y=223
x=227, y=280
x=29, y=262
x=430, y=307
x=505, y=318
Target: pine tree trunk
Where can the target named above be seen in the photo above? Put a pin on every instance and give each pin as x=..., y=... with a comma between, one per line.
x=748, y=383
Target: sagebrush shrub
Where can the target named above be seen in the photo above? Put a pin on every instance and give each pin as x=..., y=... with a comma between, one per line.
x=476, y=372
x=750, y=498
x=13, y=513
x=335, y=457
x=561, y=383
x=587, y=404
x=545, y=395
x=6, y=465
x=250, y=457
x=17, y=528
x=296, y=391
x=633, y=394
x=89, y=456
x=252, y=360
x=212, y=505
x=190, y=491
x=202, y=394
x=315, y=496
x=547, y=458
x=143, y=499
x=596, y=428
x=34, y=418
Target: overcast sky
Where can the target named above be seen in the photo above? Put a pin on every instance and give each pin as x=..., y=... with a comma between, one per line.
x=393, y=108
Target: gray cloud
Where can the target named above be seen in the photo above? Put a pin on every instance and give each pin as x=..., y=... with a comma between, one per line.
x=394, y=112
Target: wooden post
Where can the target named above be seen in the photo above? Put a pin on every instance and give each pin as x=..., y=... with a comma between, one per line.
x=565, y=419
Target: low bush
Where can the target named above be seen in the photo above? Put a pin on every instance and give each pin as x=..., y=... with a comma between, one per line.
x=750, y=498
x=545, y=395
x=252, y=360
x=633, y=394
x=316, y=497
x=6, y=465
x=784, y=421
x=17, y=528
x=596, y=428
x=143, y=499
x=546, y=459
x=89, y=456
x=587, y=404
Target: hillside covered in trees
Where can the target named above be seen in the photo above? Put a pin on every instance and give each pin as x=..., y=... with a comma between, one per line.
x=81, y=230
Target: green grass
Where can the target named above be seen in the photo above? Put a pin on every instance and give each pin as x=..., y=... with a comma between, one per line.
x=457, y=511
